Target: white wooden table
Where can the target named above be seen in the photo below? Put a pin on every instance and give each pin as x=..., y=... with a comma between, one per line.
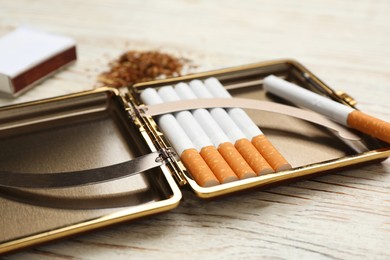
x=345, y=215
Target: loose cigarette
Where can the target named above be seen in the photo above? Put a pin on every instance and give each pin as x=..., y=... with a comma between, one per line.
x=249, y=128
x=202, y=143
x=236, y=162
x=369, y=125
x=243, y=145
x=190, y=157
x=336, y=111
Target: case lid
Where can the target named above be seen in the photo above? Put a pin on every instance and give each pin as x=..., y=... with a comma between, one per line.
x=88, y=141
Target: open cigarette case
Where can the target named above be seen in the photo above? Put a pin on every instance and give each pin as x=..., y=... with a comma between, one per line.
x=106, y=127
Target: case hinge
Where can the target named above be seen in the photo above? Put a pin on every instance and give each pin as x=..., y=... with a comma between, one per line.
x=164, y=155
x=168, y=155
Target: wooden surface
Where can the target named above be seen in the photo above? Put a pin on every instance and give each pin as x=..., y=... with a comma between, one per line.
x=345, y=215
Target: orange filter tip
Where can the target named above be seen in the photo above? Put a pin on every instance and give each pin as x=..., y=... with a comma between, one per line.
x=253, y=157
x=238, y=164
x=198, y=168
x=270, y=154
x=217, y=164
x=369, y=125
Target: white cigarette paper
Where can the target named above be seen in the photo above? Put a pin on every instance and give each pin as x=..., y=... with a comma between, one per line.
x=249, y=128
x=231, y=155
x=220, y=115
x=239, y=116
x=236, y=136
x=181, y=143
x=336, y=111
x=203, y=117
x=194, y=131
x=186, y=120
x=303, y=97
x=171, y=128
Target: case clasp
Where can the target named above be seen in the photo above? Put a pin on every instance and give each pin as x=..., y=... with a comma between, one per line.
x=346, y=98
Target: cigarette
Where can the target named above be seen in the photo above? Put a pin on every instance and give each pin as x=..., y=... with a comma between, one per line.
x=249, y=128
x=190, y=157
x=231, y=155
x=338, y=112
x=194, y=131
x=235, y=135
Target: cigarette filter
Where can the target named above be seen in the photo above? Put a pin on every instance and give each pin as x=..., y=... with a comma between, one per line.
x=194, y=131
x=217, y=136
x=190, y=157
x=249, y=128
x=243, y=145
x=336, y=111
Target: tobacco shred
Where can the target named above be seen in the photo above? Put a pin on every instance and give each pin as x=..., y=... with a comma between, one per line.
x=134, y=67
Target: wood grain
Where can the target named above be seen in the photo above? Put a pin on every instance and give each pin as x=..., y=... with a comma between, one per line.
x=345, y=215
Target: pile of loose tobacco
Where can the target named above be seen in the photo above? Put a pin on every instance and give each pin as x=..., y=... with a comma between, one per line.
x=133, y=67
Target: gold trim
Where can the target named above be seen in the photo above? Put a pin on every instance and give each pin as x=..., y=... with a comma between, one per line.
x=303, y=171
x=104, y=221
x=214, y=73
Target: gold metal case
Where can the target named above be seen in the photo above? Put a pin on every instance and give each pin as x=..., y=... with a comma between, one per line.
x=106, y=126
x=75, y=132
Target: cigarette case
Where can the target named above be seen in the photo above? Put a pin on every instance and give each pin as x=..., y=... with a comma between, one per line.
x=81, y=142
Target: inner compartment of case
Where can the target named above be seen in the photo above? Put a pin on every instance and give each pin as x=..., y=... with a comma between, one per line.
x=83, y=132
x=300, y=142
